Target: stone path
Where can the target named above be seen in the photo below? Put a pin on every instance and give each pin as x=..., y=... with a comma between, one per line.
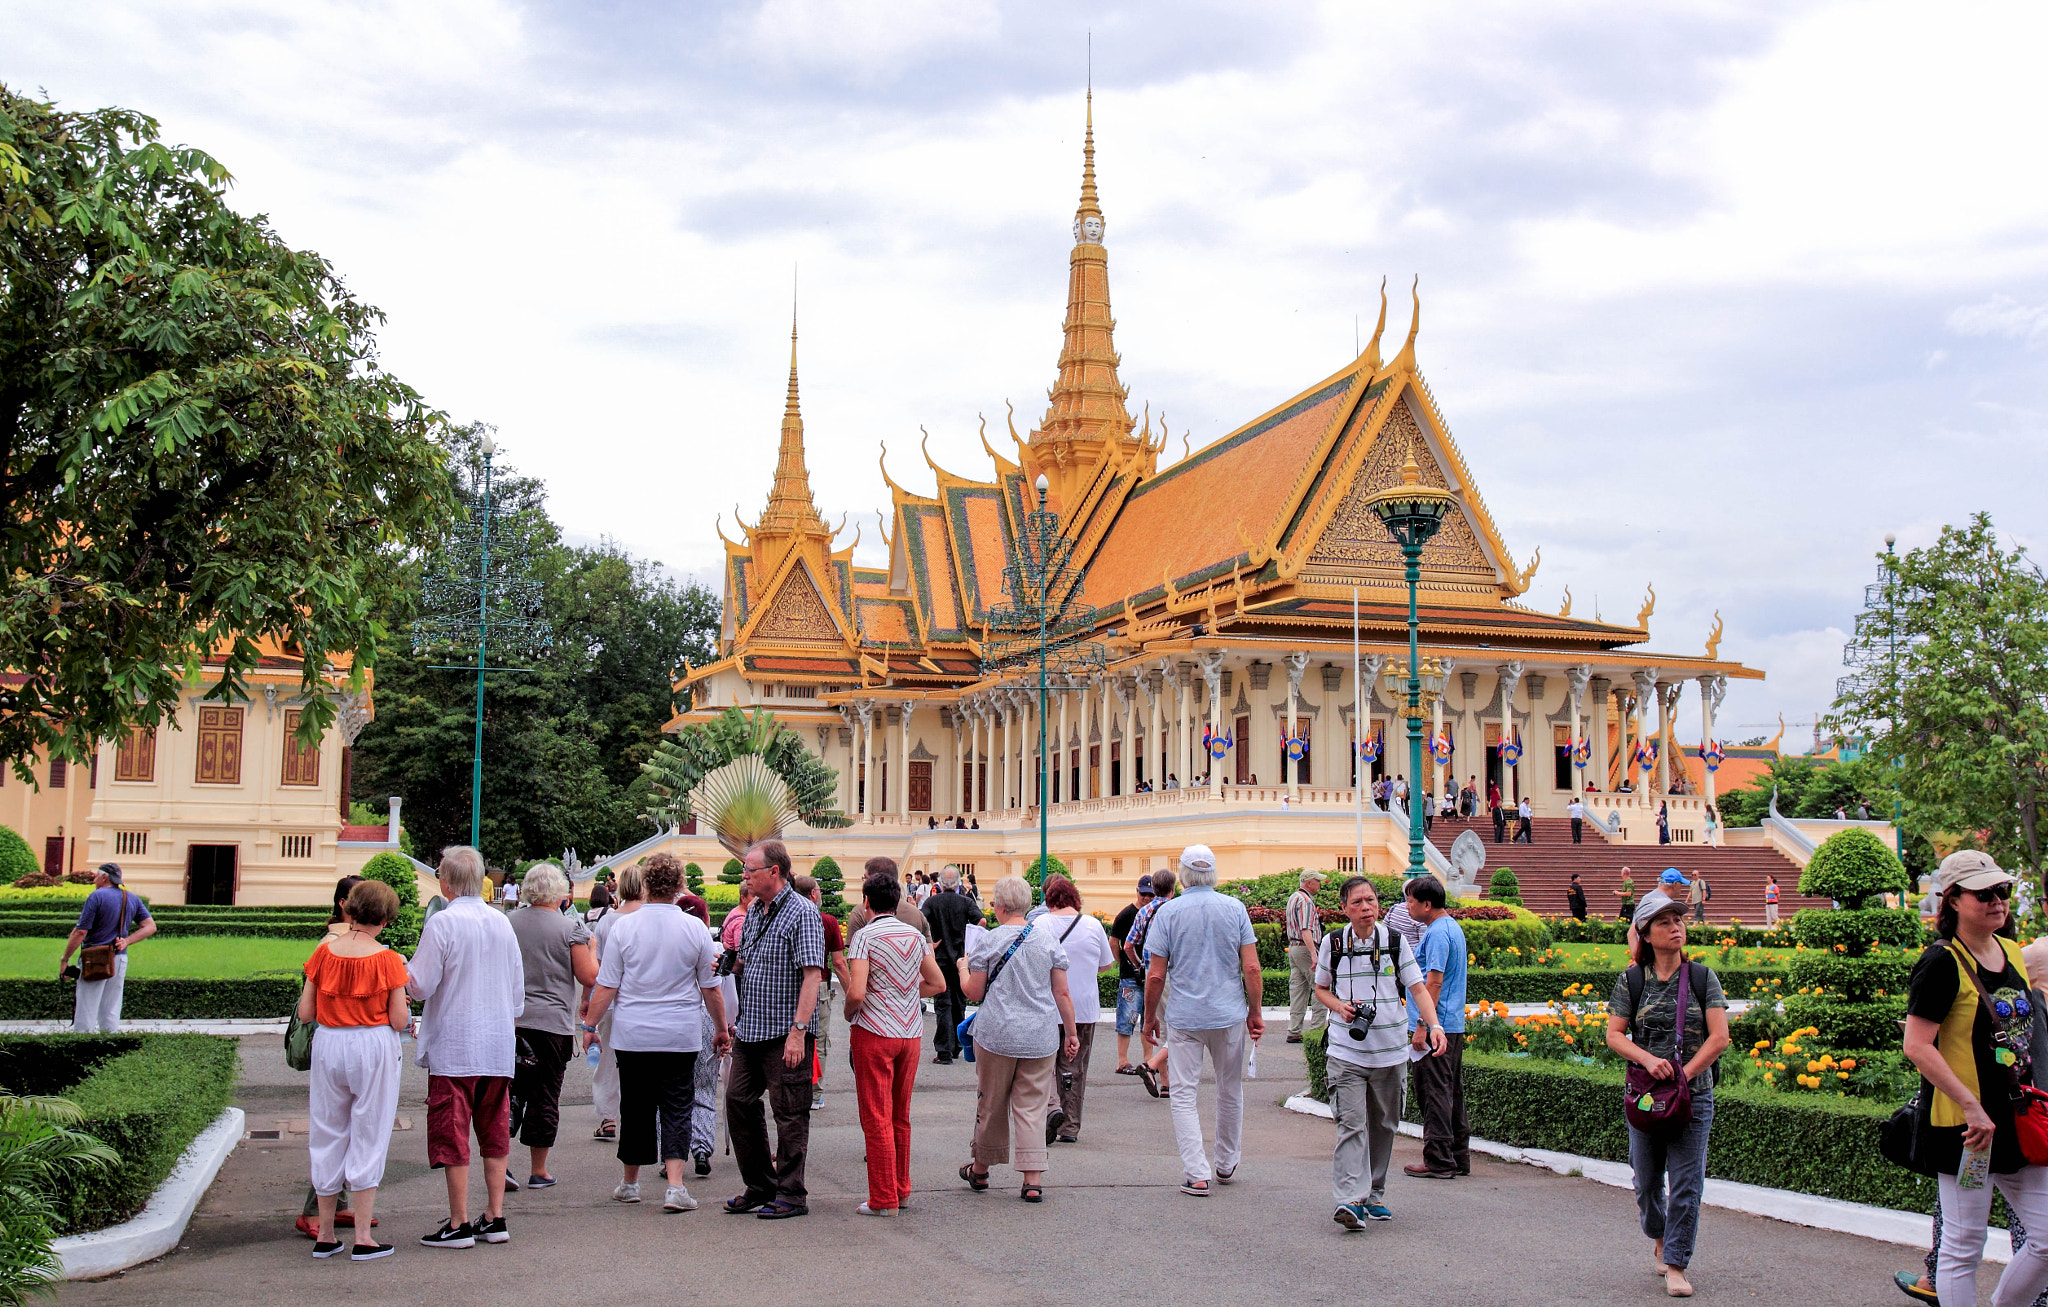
x=1113, y=1227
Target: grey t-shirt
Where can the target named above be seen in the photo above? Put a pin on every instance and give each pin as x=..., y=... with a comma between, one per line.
x=1652, y=1026
x=545, y=938
x=1018, y=1017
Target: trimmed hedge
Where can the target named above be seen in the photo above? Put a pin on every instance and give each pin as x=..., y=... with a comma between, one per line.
x=1857, y=929
x=1845, y=1024
x=1857, y=979
x=16, y=858
x=26, y=927
x=1813, y=1145
x=147, y=1100
x=1541, y=984
x=1570, y=930
x=25, y=999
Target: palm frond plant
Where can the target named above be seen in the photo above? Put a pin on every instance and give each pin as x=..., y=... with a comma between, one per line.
x=744, y=802
x=682, y=761
x=40, y=1153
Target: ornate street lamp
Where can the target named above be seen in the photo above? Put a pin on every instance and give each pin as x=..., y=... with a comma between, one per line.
x=1046, y=621
x=1412, y=512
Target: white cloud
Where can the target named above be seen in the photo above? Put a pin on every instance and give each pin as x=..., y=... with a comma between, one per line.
x=2001, y=315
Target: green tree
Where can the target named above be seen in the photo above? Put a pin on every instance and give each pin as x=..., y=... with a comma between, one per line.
x=1954, y=692
x=1504, y=888
x=731, y=873
x=564, y=745
x=1851, y=866
x=17, y=859
x=1809, y=787
x=199, y=450
x=1041, y=868
x=693, y=876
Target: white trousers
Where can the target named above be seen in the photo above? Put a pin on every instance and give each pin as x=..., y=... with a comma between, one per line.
x=604, y=1082
x=1184, y=1049
x=1964, y=1214
x=354, y=1100
x=97, y=1009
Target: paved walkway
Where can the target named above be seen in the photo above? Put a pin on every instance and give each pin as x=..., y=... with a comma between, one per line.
x=1113, y=1224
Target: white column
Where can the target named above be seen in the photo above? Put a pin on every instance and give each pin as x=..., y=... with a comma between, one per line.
x=1155, y=763
x=1575, y=678
x=903, y=758
x=1368, y=688
x=866, y=709
x=1212, y=672
x=1436, y=728
x=1667, y=712
x=1056, y=759
x=1510, y=677
x=1712, y=689
x=1297, y=663
x=984, y=733
x=1183, y=739
x=1596, y=727
x=955, y=761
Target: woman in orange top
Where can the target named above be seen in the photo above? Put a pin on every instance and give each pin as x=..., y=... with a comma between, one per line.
x=355, y=989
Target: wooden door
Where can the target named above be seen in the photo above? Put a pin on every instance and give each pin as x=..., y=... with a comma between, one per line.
x=210, y=873
x=920, y=787
x=53, y=856
x=1244, y=750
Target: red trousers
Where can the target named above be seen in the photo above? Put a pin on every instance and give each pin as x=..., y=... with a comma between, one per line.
x=884, y=1073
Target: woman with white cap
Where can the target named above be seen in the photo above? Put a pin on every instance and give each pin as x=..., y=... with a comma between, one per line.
x=1669, y=1017
x=1967, y=1014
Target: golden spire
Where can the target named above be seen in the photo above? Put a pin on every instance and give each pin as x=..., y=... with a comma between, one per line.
x=790, y=507
x=1087, y=401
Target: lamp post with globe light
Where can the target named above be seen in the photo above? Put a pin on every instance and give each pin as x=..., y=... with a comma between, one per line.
x=1412, y=512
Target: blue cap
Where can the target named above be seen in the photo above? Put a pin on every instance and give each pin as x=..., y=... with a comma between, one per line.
x=1673, y=876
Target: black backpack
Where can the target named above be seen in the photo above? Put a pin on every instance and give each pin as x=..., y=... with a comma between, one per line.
x=1696, y=987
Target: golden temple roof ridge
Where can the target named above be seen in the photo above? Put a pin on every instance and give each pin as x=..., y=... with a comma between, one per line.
x=790, y=506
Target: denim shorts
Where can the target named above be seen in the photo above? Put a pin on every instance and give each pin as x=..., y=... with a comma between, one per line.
x=1130, y=1006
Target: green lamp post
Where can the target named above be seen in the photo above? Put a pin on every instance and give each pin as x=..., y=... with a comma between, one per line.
x=1412, y=512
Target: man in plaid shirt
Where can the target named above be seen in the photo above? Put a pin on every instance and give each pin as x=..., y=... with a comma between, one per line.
x=781, y=963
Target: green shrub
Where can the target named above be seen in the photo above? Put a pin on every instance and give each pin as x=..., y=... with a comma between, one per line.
x=1540, y=985
x=1814, y=1145
x=826, y=872
x=1843, y=1023
x=43, y=927
x=36, y=999
x=1851, y=979
x=1859, y=928
x=693, y=876
x=721, y=895
x=16, y=858
x=1852, y=865
x=731, y=872
x=43, y=1155
x=147, y=1104
x=1040, y=869
x=1273, y=891
x=397, y=871
x=1485, y=940
x=72, y=894
x=1315, y=1051
x=1504, y=887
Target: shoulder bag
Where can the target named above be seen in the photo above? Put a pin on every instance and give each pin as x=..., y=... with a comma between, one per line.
x=1660, y=1106
x=2029, y=1105
x=97, y=961
x=965, y=1030
x=298, y=1038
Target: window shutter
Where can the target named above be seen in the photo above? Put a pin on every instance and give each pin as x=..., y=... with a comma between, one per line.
x=301, y=763
x=220, y=746
x=135, y=756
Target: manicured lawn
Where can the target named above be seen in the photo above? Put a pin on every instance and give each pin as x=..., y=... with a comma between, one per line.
x=192, y=957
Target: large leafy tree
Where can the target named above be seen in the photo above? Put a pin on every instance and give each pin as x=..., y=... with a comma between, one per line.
x=1953, y=695
x=198, y=448
x=564, y=743
x=1806, y=787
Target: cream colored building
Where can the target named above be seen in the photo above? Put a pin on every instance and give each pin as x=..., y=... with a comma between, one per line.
x=217, y=805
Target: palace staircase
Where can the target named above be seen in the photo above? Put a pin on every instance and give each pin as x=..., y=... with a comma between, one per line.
x=1544, y=868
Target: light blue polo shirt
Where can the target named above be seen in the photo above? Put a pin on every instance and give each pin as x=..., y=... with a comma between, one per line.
x=1199, y=934
x=1443, y=949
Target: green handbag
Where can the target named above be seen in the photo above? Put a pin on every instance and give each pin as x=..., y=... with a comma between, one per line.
x=298, y=1043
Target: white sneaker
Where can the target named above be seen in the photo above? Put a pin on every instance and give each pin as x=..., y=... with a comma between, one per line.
x=626, y=1193
x=678, y=1199
x=866, y=1210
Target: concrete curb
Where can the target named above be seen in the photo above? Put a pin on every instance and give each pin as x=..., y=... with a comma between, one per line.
x=156, y=1229
x=1880, y=1223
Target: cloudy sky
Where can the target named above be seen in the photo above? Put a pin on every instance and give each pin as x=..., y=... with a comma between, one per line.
x=1714, y=294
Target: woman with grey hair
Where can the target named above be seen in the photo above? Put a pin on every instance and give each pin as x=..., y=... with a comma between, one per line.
x=1018, y=974
x=555, y=951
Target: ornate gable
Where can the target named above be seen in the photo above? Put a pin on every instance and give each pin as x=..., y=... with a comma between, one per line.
x=1354, y=545
x=797, y=612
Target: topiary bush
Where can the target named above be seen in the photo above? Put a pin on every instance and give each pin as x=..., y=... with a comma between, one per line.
x=1504, y=888
x=693, y=876
x=730, y=874
x=1852, y=979
x=1040, y=869
x=1844, y=1023
x=830, y=884
x=17, y=860
x=1856, y=929
x=1852, y=865
x=397, y=871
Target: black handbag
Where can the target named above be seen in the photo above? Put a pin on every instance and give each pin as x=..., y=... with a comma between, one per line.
x=1903, y=1140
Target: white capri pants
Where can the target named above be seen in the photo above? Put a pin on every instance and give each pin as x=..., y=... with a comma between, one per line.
x=354, y=1101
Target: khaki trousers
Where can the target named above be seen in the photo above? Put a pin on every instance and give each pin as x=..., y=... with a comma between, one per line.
x=1012, y=1096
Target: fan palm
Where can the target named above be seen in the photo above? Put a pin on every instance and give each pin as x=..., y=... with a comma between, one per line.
x=39, y=1154
x=744, y=802
x=682, y=762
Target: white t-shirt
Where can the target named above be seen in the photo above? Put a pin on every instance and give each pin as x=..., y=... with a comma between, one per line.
x=1088, y=951
x=1575, y=810
x=660, y=959
x=1354, y=980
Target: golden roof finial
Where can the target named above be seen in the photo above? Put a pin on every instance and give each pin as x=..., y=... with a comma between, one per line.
x=1371, y=355
x=1091, y=206
x=1086, y=401
x=790, y=506
x=1406, y=358
x=1411, y=471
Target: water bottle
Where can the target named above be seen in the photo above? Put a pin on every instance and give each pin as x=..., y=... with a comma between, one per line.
x=593, y=1053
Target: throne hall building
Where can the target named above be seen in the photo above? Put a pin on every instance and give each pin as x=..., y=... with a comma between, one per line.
x=1223, y=585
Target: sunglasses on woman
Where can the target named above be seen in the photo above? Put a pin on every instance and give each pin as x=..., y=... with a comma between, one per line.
x=1994, y=894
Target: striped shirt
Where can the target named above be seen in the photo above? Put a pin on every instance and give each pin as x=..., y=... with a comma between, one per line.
x=1301, y=916
x=895, y=951
x=1376, y=971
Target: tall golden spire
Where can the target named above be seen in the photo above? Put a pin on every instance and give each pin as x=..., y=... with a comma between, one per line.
x=790, y=507
x=1086, y=419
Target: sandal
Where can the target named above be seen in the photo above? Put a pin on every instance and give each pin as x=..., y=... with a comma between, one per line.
x=1151, y=1079
x=1198, y=1188
x=1032, y=1193
x=1127, y=1070
x=976, y=1180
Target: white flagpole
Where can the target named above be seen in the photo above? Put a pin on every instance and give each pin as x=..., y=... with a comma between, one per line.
x=1358, y=772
